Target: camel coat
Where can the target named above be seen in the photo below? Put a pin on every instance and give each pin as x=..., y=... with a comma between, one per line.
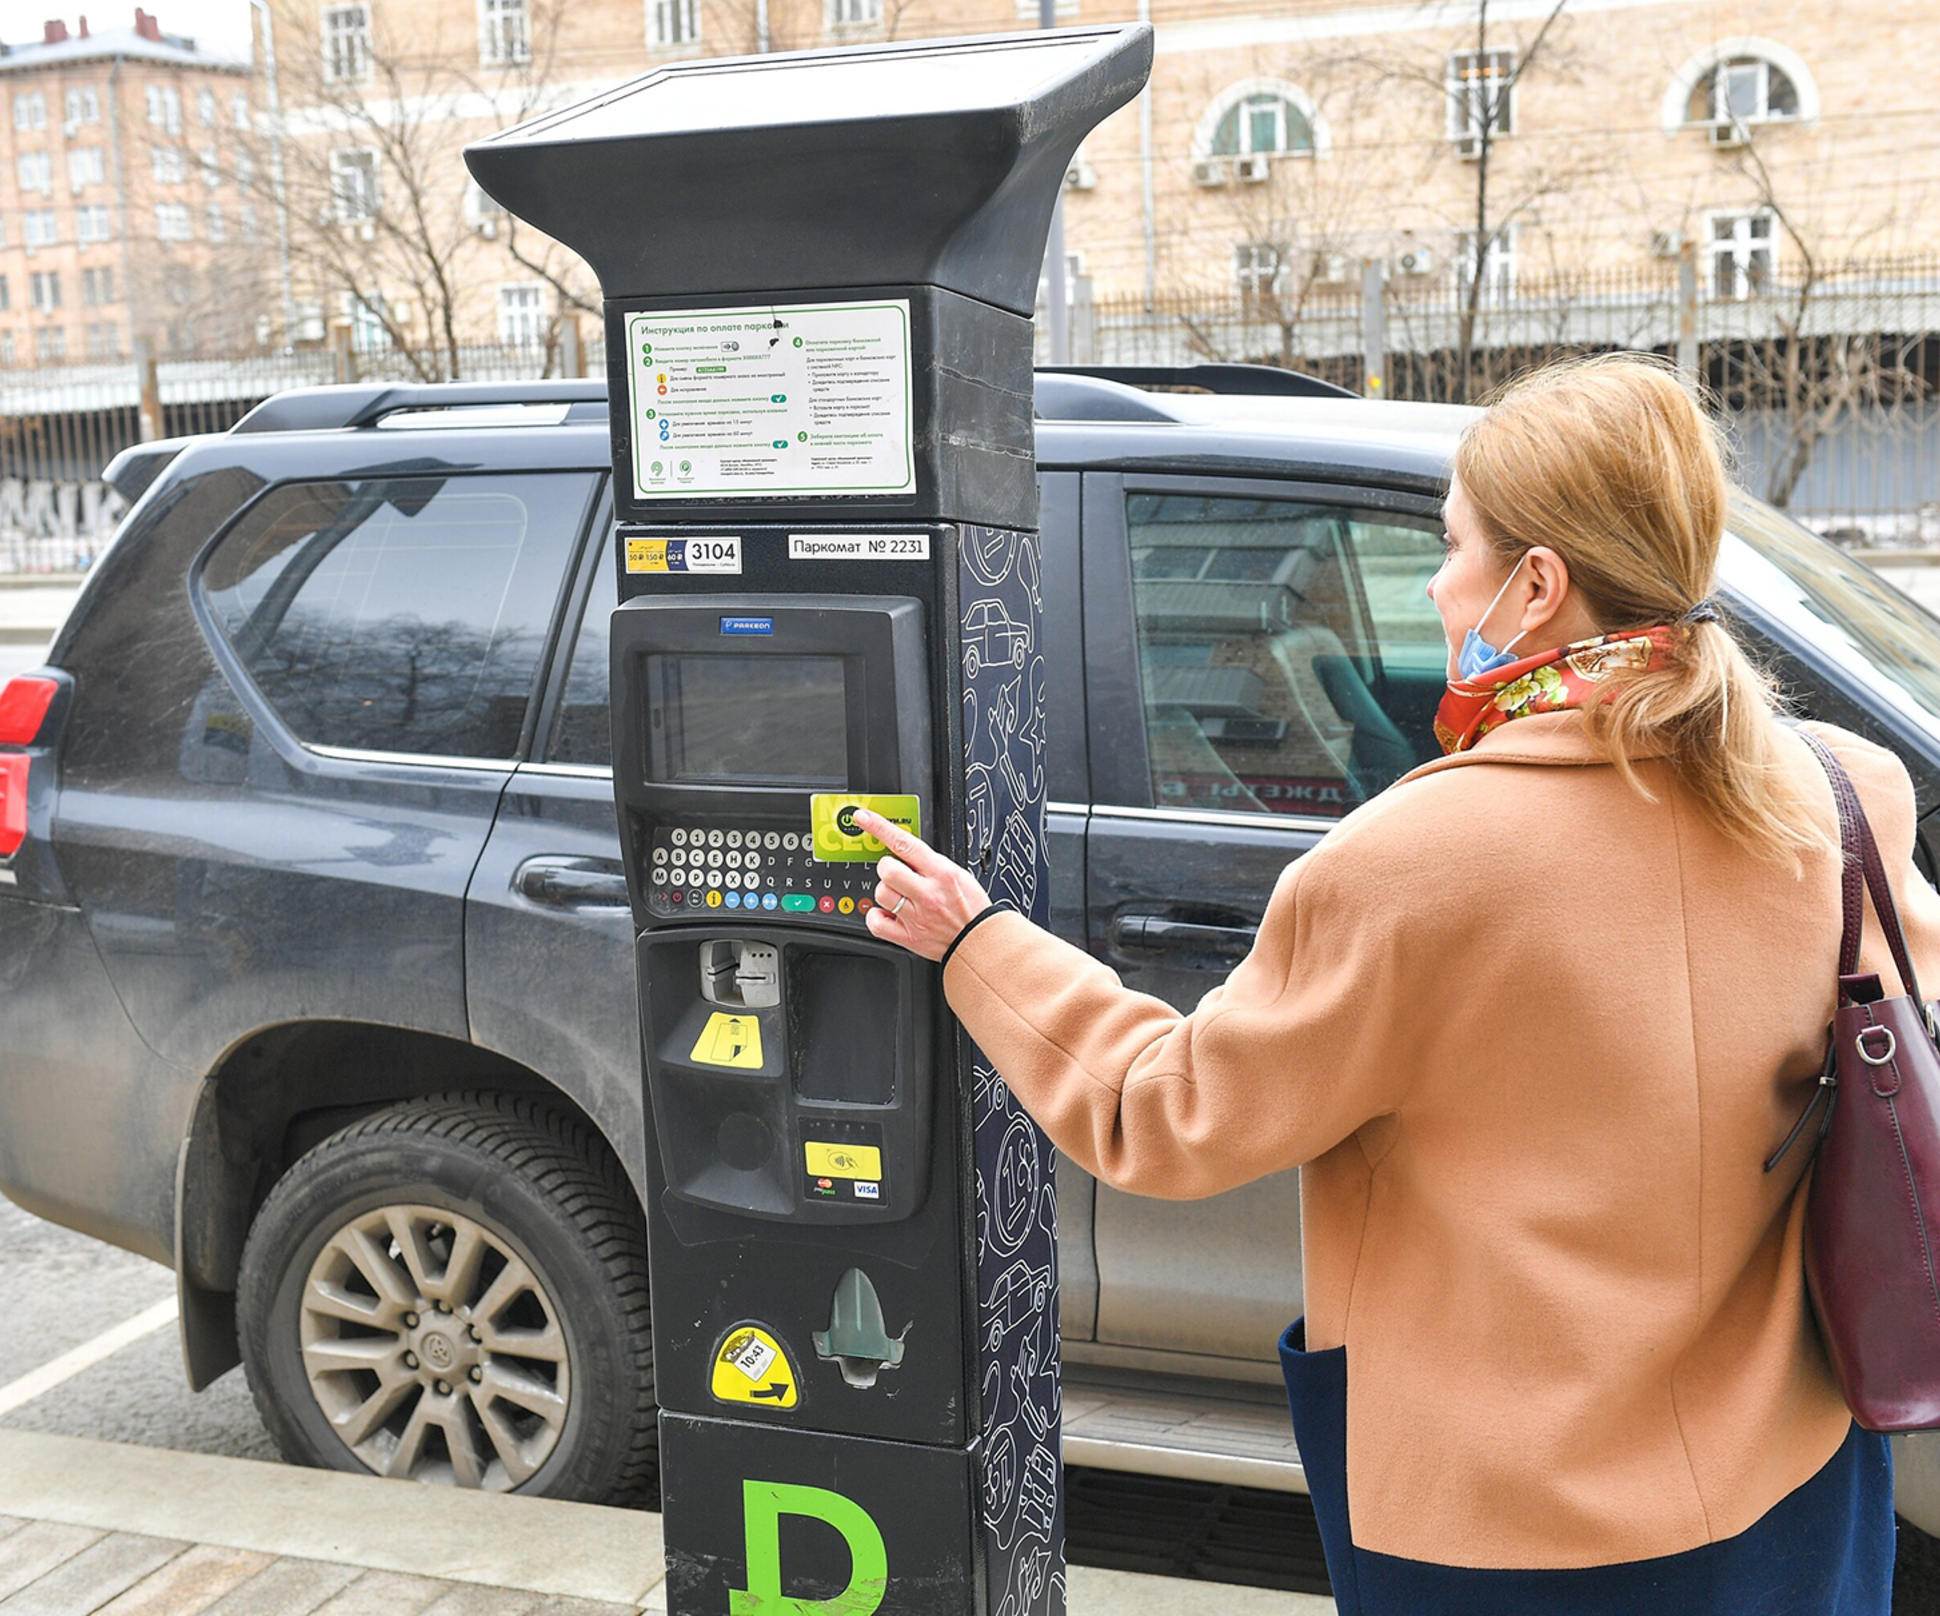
x=1532, y=1037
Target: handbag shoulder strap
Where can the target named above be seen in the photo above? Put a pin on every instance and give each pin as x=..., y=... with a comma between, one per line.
x=1863, y=871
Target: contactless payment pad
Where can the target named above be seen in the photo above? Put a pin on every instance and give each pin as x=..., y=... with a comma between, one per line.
x=837, y=837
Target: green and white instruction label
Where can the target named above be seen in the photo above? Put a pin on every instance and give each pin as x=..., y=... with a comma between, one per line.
x=811, y=398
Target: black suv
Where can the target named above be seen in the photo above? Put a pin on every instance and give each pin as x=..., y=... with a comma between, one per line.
x=315, y=977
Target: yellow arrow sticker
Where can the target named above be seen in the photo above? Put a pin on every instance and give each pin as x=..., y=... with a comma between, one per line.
x=729, y=1040
x=750, y=1366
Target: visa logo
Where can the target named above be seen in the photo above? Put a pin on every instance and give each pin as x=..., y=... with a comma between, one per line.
x=865, y=1191
x=747, y=625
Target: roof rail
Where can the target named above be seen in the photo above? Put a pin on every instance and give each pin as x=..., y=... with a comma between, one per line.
x=131, y=471
x=356, y=404
x=1066, y=396
x=1265, y=381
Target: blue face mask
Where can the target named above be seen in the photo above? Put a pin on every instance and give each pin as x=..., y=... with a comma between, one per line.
x=1478, y=658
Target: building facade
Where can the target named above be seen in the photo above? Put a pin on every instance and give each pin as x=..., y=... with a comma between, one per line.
x=121, y=217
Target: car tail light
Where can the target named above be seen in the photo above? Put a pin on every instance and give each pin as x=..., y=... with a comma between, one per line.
x=23, y=707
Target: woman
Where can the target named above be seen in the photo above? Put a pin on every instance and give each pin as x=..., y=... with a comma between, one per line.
x=1531, y=1020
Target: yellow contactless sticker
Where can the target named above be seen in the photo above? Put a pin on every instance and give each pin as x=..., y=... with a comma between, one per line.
x=837, y=838
x=729, y=1041
x=843, y=1161
x=750, y=1366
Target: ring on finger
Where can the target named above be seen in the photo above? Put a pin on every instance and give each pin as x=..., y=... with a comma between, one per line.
x=900, y=902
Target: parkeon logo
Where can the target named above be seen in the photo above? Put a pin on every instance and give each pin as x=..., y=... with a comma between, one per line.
x=763, y=1504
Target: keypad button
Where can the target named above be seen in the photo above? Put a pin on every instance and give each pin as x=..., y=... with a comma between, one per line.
x=734, y=838
x=751, y=860
x=716, y=838
x=846, y=905
x=713, y=900
x=714, y=857
x=769, y=900
x=770, y=840
x=680, y=837
x=827, y=906
x=713, y=878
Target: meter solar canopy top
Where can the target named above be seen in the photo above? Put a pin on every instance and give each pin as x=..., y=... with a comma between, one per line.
x=818, y=272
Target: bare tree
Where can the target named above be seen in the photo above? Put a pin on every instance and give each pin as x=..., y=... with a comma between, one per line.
x=381, y=219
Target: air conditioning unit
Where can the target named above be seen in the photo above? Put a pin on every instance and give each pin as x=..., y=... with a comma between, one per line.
x=488, y=228
x=1730, y=132
x=367, y=231
x=1211, y=171
x=1666, y=243
x=1416, y=261
x=310, y=328
x=1252, y=170
x=401, y=311
x=70, y=129
x=1332, y=269
x=1080, y=176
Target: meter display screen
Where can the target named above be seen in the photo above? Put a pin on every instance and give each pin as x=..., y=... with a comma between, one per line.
x=778, y=721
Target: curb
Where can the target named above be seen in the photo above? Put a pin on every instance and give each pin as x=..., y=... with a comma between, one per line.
x=489, y=1540
x=11, y=634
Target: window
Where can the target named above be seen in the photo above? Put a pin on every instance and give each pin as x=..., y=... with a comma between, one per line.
x=205, y=108
x=1290, y=656
x=3, y=240
x=38, y=228
x=50, y=343
x=1257, y=267
x=35, y=171
x=1498, y=266
x=503, y=36
x=47, y=289
x=239, y=110
x=6, y=295
x=246, y=220
x=211, y=166
x=346, y=43
x=1262, y=124
x=178, y=283
x=165, y=107
x=1743, y=90
x=104, y=340
x=370, y=330
x=216, y=225
x=1481, y=97
x=97, y=286
x=582, y=732
x=6, y=348
x=172, y=221
x=521, y=313
x=30, y=110
x=86, y=165
x=245, y=170
x=673, y=22
x=353, y=182
x=84, y=105
x=399, y=614
x=91, y=223
x=854, y=13
x=166, y=164
x=1739, y=246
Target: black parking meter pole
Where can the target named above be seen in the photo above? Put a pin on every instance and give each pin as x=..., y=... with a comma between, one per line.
x=818, y=272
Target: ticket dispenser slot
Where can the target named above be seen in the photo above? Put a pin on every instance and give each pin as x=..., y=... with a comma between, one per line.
x=789, y=1054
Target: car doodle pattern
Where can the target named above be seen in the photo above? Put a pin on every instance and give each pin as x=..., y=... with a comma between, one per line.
x=1017, y=1216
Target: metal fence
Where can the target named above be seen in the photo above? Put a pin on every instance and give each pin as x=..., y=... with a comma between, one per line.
x=1828, y=378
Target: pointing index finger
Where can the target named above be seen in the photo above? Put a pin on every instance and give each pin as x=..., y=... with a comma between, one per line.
x=912, y=850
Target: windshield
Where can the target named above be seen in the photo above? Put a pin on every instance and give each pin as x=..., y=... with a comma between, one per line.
x=1880, y=637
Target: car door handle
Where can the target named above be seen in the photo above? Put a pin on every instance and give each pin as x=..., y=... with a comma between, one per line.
x=1160, y=934
x=560, y=881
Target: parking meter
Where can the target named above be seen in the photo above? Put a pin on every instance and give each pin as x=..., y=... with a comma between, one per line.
x=818, y=272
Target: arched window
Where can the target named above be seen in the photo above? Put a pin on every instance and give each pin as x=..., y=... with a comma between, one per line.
x=1738, y=83
x=1262, y=124
x=1260, y=117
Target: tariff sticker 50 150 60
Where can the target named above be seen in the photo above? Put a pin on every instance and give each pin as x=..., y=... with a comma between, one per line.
x=715, y=553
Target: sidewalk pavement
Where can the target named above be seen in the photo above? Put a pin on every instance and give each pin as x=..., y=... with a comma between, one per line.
x=106, y=1529
x=33, y=606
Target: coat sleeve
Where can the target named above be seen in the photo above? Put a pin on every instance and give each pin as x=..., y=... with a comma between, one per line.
x=1272, y=1069
x=1886, y=792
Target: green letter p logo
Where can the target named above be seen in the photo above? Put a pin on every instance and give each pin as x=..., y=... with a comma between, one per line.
x=763, y=1504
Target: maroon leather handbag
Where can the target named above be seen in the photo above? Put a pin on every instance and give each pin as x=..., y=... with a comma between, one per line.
x=1872, y=1216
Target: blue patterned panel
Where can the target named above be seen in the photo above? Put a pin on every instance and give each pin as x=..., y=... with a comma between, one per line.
x=999, y=575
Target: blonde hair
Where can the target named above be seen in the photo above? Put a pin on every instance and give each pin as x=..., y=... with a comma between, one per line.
x=1609, y=462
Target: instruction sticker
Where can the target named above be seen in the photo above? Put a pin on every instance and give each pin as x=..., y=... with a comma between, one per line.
x=807, y=398
x=750, y=1366
x=712, y=554
x=729, y=1040
x=838, y=839
x=858, y=547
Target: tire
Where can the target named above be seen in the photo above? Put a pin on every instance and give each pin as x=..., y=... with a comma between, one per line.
x=454, y=1290
x=971, y=663
x=1916, y=1572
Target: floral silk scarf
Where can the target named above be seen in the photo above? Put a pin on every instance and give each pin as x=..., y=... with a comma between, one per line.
x=1548, y=682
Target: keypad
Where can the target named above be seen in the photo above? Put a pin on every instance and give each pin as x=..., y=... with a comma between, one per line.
x=714, y=871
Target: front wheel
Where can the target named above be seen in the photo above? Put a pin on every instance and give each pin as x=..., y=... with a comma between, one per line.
x=455, y=1291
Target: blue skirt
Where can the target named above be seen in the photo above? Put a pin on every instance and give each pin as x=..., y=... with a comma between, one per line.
x=1823, y=1550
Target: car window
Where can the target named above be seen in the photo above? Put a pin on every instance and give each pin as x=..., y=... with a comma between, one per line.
x=1290, y=657
x=581, y=733
x=399, y=614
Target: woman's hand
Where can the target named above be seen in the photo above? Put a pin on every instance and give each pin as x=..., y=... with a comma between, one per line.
x=922, y=899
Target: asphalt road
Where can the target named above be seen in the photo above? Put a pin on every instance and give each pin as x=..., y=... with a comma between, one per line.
x=60, y=1291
